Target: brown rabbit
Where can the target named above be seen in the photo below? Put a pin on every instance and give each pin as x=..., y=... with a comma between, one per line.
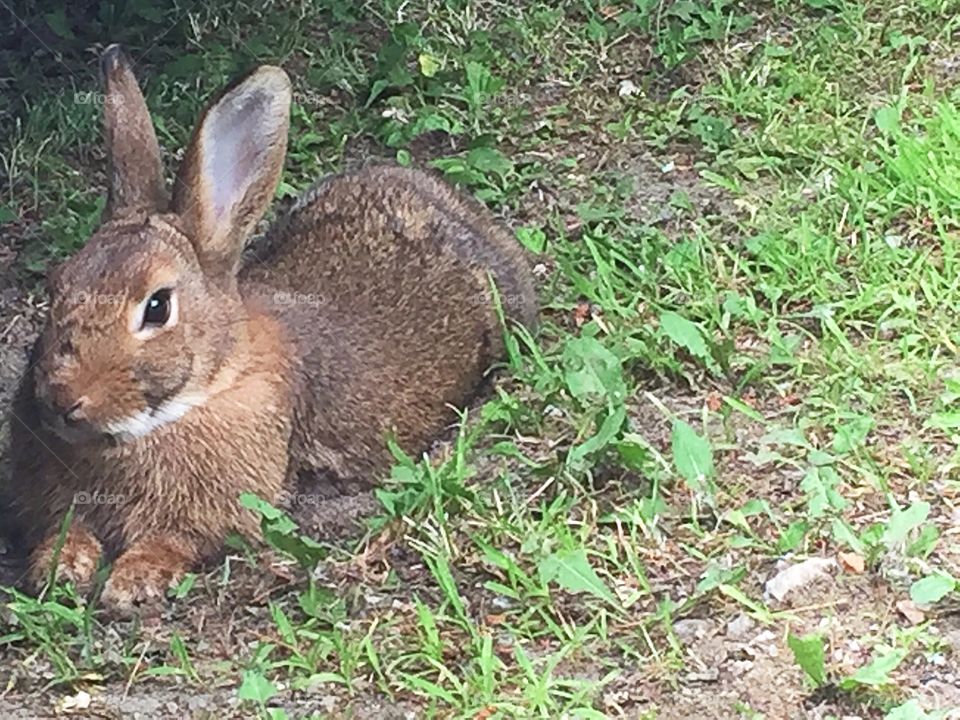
x=175, y=372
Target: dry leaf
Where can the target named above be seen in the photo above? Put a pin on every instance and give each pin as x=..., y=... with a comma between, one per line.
x=911, y=612
x=73, y=703
x=795, y=577
x=581, y=313
x=851, y=562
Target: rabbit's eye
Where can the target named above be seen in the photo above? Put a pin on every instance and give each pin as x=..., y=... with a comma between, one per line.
x=156, y=312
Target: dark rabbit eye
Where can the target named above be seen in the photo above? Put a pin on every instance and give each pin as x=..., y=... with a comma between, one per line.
x=156, y=313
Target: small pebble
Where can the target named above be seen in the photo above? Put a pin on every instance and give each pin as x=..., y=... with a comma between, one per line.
x=692, y=629
x=740, y=627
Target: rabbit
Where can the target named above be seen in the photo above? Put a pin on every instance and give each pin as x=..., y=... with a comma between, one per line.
x=177, y=369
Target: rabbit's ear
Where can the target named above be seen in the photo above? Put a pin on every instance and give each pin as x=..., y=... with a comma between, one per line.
x=232, y=166
x=135, y=169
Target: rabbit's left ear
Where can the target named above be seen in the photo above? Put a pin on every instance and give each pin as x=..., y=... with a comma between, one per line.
x=232, y=166
x=135, y=173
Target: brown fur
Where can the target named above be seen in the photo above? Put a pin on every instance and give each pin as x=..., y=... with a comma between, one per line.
x=366, y=313
x=135, y=168
x=77, y=558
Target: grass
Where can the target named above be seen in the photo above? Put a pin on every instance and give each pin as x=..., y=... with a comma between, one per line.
x=745, y=224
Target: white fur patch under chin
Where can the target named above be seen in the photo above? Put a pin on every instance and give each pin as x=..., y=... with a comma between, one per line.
x=145, y=422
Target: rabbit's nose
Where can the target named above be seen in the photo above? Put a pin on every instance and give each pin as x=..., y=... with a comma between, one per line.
x=64, y=406
x=76, y=412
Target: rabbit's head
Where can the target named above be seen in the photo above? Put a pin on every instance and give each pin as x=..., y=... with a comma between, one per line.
x=146, y=320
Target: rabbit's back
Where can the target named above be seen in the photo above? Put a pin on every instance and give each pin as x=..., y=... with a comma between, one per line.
x=389, y=209
x=382, y=279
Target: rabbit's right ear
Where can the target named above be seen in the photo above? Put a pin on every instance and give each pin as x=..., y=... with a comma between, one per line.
x=232, y=166
x=135, y=173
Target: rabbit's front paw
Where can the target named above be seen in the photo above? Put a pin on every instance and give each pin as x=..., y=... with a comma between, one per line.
x=143, y=574
x=76, y=562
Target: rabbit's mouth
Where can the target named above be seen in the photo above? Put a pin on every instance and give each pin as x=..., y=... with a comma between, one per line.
x=144, y=422
x=73, y=432
x=125, y=429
